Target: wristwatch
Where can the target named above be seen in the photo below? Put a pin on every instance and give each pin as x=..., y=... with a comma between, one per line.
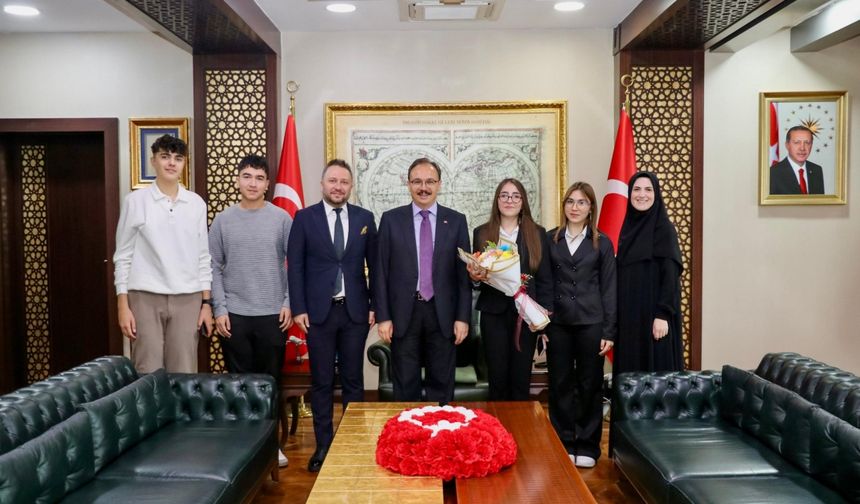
x=207, y=301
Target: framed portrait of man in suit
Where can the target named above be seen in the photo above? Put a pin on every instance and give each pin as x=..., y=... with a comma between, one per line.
x=802, y=148
x=475, y=145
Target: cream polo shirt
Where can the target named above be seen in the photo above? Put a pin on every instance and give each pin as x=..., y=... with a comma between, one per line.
x=162, y=246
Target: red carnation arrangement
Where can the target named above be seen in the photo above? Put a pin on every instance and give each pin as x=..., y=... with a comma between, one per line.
x=446, y=442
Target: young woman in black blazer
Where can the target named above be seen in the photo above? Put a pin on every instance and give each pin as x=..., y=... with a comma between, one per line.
x=509, y=370
x=583, y=324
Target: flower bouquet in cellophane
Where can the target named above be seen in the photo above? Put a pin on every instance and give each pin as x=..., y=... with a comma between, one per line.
x=502, y=263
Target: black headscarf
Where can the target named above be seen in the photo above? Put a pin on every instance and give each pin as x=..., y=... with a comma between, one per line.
x=648, y=234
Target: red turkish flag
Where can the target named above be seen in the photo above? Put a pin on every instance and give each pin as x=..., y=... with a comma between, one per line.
x=621, y=168
x=290, y=197
x=774, y=136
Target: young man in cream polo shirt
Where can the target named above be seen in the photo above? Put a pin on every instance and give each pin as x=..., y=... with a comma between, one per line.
x=163, y=270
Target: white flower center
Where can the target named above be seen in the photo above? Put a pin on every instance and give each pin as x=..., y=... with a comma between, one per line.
x=441, y=425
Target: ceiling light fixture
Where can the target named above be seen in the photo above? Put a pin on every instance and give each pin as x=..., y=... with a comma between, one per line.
x=569, y=6
x=340, y=8
x=20, y=10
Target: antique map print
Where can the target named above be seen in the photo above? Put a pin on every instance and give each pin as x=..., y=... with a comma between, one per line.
x=473, y=160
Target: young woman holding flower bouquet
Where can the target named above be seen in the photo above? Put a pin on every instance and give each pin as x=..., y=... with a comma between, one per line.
x=583, y=324
x=509, y=369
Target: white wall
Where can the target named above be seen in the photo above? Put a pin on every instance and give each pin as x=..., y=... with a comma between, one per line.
x=775, y=278
x=455, y=66
x=95, y=75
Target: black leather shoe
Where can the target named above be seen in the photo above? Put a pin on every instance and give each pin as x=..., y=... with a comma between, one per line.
x=316, y=461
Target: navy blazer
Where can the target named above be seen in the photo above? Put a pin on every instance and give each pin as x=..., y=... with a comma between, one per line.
x=585, y=283
x=312, y=263
x=784, y=181
x=396, y=272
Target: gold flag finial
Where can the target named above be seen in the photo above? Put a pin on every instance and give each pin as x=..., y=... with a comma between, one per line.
x=292, y=88
x=627, y=82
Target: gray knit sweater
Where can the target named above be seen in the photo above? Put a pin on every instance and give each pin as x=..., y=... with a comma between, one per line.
x=249, y=249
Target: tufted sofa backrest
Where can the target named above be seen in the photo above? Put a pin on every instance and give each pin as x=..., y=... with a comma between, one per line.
x=833, y=389
x=50, y=466
x=667, y=395
x=802, y=432
x=223, y=396
x=30, y=411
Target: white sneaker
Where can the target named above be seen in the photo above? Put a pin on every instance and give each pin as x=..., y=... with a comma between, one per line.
x=572, y=458
x=282, y=459
x=583, y=461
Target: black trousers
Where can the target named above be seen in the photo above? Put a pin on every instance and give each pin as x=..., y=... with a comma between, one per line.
x=340, y=338
x=575, y=386
x=256, y=346
x=509, y=371
x=425, y=344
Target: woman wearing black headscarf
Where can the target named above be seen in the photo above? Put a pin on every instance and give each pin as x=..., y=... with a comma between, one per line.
x=649, y=289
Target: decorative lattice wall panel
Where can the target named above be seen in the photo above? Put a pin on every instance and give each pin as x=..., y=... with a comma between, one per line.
x=34, y=214
x=235, y=127
x=662, y=114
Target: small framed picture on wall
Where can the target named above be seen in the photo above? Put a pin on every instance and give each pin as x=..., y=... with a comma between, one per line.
x=803, y=148
x=143, y=132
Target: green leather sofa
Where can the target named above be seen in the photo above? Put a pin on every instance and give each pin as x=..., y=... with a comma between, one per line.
x=99, y=433
x=470, y=376
x=787, y=433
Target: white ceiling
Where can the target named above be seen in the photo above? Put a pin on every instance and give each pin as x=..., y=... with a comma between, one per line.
x=68, y=16
x=310, y=15
x=383, y=15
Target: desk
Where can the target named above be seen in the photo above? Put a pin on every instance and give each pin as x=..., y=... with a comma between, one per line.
x=542, y=473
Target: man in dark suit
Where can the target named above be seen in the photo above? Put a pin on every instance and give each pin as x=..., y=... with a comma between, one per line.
x=795, y=174
x=422, y=291
x=329, y=245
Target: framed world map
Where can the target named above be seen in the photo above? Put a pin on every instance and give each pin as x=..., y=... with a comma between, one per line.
x=476, y=145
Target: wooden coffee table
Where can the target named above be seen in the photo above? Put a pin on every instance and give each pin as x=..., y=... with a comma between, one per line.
x=542, y=473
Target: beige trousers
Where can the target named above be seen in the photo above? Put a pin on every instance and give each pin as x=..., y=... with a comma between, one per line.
x=166, y=331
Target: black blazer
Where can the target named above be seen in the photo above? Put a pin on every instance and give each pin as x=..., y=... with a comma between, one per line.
x=312, y=264
x=396, y=272
x=584, y=283
x=784, y=181
x=491, y=300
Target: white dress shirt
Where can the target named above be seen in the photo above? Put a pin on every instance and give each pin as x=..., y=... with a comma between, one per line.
x=331, y=217
x=512, y=236
x=162, y=245
x=573, y=242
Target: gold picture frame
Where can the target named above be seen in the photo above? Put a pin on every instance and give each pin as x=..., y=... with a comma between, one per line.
x=825, y=115
x=476, y=145
x=142, y=133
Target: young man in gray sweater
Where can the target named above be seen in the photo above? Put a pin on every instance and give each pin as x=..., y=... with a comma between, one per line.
x=250, y=295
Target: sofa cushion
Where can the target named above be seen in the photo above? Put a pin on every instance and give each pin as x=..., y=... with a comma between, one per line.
x=236, y=452
x=43, y=469
x=666, y=395
x=122, y=419
x=149, y=491
x=223, y=396
x=739, y=490
x=835, y=457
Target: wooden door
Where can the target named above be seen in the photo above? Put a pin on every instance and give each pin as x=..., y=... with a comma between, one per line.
x=55, y=270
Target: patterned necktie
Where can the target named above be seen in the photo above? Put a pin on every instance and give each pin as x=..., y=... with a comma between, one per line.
x=338, y=250
x=802, y=182
x=425, y=257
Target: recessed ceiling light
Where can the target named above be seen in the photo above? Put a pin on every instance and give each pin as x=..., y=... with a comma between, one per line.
x=20, y=10
x=340, y=8
x=569, y=6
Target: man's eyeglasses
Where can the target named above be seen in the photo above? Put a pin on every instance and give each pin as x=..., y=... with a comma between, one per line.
x=582, y=203
x=515, y=197
x=419, y=182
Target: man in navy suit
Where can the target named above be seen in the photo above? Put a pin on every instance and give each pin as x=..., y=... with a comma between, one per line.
x=422, y=290
x=795, y=174
x=329, y=245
